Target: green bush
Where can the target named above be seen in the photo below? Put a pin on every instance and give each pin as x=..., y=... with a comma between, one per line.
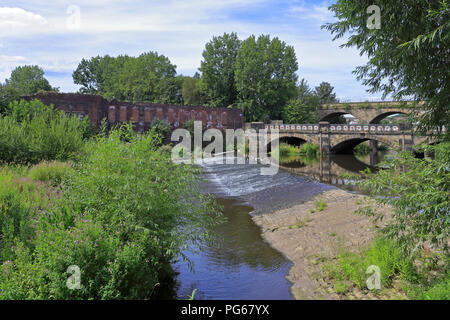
x=439, y=291
x=362, y=149
x=123, y=214
x=287, y=149
x=309, y=149
x=40, y=133
x=110, y=268
x=306, y=149
x=161, y=128
x=442, y=152
x=19, y=200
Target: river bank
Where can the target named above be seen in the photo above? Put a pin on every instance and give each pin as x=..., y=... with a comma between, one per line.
x=310, y=232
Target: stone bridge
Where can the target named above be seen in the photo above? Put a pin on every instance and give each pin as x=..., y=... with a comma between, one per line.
x=367, y=112
x=343, y=138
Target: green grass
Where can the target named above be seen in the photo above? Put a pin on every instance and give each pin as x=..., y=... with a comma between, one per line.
x=320, y=205
x=349, y=269
x=52, y=172
x=301, y=223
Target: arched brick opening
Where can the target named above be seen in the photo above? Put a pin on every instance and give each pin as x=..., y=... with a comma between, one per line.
x=292, y=140
x=347, y=146
x=334, y=115
x=384, y=115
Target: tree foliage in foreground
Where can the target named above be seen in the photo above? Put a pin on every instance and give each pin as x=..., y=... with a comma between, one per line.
x=408, y=56
x=419, y=192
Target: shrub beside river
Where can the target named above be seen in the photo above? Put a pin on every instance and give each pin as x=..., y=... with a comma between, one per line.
x=117, y=208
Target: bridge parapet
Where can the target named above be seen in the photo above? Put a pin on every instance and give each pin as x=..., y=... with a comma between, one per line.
x=372, y=105
x=337, y=128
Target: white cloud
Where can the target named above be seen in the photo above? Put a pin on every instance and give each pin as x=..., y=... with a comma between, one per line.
x=19, y=18
x=177, y=29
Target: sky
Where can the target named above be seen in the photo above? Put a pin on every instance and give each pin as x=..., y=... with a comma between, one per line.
x=56, y=35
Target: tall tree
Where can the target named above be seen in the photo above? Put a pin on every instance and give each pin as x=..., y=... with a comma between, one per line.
x=193, y=91
x=148, y=78
x=28, y=80
x=89, y=74
x=304, y=90
x=408, y=55
x=303, y=108
x=325, y=93
x=217, y=69
x=265, y=75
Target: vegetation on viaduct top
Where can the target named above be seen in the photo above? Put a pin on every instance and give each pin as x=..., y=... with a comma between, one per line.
x=372, y=105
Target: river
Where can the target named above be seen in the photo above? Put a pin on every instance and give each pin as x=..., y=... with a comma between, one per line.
x=240, y=265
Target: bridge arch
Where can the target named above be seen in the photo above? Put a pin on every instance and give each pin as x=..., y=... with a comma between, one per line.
x=346, y=145
x=332, y=115
x=384, y=115
x=295, y=139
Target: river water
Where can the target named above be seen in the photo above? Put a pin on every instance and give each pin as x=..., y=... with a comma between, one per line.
x=240, y=265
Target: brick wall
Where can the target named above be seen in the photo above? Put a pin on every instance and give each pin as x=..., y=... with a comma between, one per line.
x=141, y=114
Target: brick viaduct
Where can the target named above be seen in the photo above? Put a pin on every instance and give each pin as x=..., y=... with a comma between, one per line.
x=141, y=114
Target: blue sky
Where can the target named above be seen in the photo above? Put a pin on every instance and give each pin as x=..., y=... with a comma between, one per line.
x=37, y=32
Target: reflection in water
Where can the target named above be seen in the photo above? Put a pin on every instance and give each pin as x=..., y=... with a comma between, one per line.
x=329, y=169
x=239, y=266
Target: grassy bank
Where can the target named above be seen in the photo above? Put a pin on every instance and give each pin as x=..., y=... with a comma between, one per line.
x=425, y=277
x=412, y=250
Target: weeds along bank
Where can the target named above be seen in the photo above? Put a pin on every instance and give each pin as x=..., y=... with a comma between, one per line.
x=306, y=149
x=31, y=132
x=117, y=208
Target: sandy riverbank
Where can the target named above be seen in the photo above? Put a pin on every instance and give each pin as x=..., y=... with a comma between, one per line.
x=306, y=238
